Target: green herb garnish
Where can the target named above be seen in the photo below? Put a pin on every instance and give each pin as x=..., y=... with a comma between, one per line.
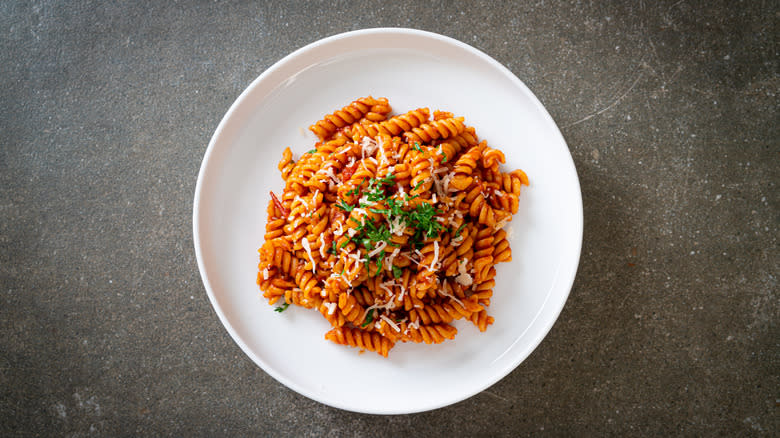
x=282, y=308
x=379, y=262
x=417, y=146
x=397, y=272
x=344, y=206
x=369, y=318
x=423, y=218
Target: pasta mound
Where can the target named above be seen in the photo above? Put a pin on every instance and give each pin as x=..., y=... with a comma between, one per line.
x=390, y=227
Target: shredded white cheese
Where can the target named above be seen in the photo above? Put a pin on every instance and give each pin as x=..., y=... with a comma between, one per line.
x=378, y=249
x=381, y=153
x=502, y=222
x=368, y=146
x=464, y=279
x=386, y=288
x=265, y=274
x=299, y=199
x=357, y=258
x=389, y=260
x=446, y=182
x=331, y=307
x=396, y=225
x=444, y=292
x=322, y=245
x=362, y=213
x=307, y=248
x=403, y=292
x=435, y=255
x=391, y=323
x=332, y=179
x=411, y=259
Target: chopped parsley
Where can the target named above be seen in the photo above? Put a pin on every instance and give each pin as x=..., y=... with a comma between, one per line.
x=344, y=206
x=282, y=308
x=369, y=233
x=312, y=151
x=369, y=318
x=417, y=146
x=397, y=272
x=423, y=218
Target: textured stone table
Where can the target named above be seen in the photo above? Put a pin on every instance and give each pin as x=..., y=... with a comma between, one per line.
x=670, y=112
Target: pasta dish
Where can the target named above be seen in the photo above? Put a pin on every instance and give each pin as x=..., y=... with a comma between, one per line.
x=390, y=226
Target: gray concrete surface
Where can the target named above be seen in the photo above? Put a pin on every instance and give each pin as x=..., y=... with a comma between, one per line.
x=669, y=109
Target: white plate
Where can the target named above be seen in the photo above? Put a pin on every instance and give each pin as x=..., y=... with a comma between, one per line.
x=413, y=69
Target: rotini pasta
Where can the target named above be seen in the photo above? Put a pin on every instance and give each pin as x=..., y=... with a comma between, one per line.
x=390, y=227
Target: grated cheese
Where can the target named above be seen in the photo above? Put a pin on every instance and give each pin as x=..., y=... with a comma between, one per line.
x=389, y=260
x=357, y=258
x=381, y=152
x=446, y=182
x=391, y=323
x=340, y=230
x=333, y=180
x=322, y=245
x=501, y=223
x=463, y=279
x=403, y=292
x=307, y=247
x=299, y=199
x=411, y=259
x=368, y=146
x=397, y=226
x=331, y=307
x=362, y=213
x=448, y=295
x=265, y=273
x=435, y=255
x=378, y=249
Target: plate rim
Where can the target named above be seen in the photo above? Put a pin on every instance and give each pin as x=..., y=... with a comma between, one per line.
x=553, y=314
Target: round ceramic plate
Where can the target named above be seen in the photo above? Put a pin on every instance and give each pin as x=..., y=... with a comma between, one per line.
x=413, y=69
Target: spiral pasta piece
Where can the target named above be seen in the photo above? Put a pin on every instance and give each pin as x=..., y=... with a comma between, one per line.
x=349, y=114
x=435, y=130
x=430, y=334
x=358, y=338
x=394, y=126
